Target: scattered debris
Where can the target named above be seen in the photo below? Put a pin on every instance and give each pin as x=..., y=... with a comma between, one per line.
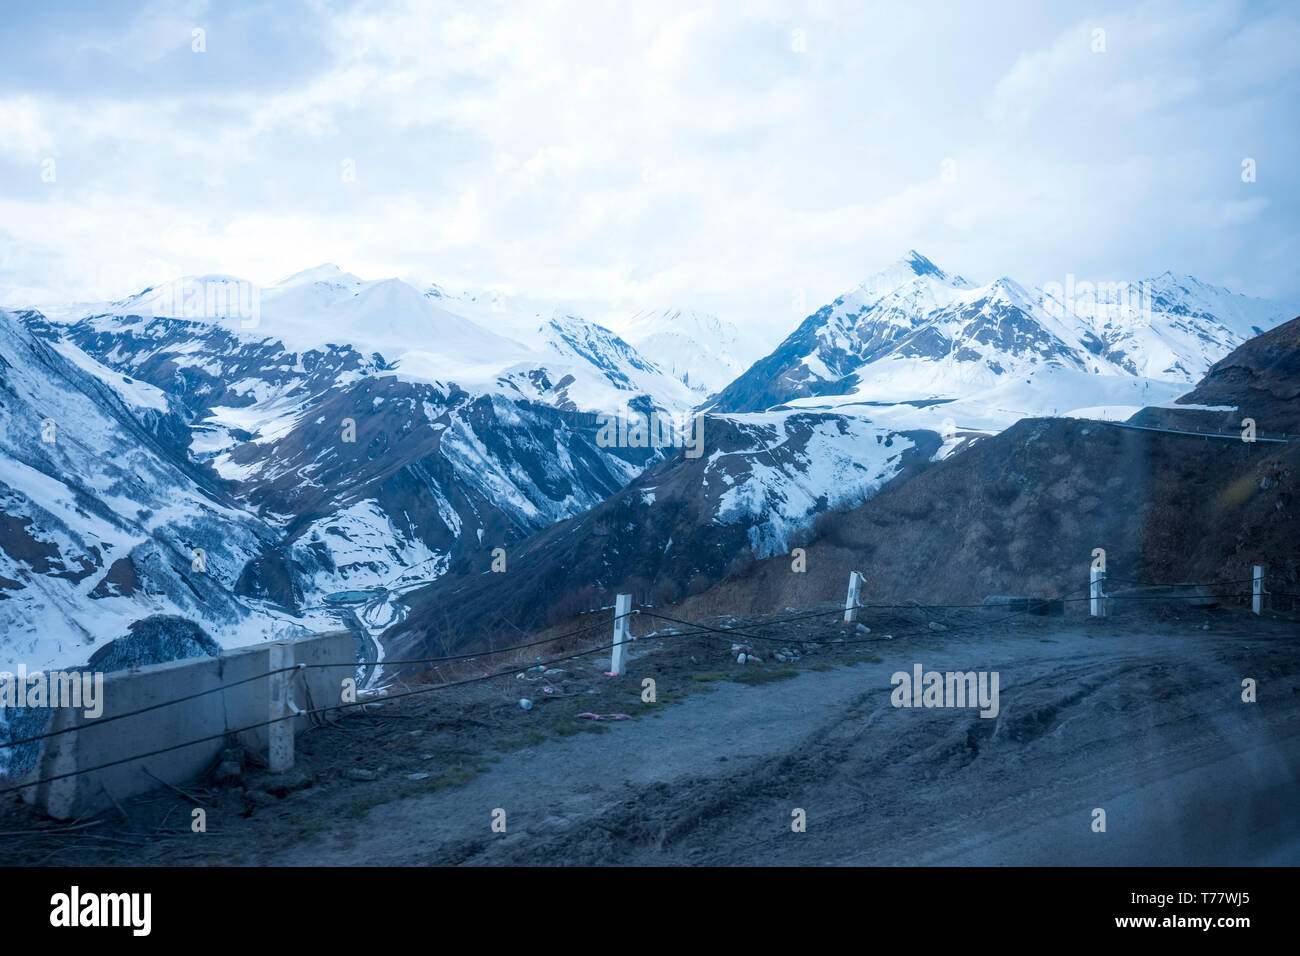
x=360, y=775
x=525, y=703
x=591, y=716
x=283, y=785
x=936, y=626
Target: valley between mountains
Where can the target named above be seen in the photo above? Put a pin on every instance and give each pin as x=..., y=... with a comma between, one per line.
x=331, y=451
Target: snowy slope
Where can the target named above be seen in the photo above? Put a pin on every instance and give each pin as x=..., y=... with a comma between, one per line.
x=1171, y=328
x=913, y=346
x=100, y=524
x=323, y=307
x=795, y=468
x=464, y=438
x=256, y=372
x=360, y=434
x=622, y=373
x=606, y=370
x=698, y=348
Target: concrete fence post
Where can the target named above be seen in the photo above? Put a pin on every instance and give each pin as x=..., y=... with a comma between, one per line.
x=1097, y=592
x=1257, y=590
x=851, y=602
x=58, y=755
x=279, y=733
x=622, y=633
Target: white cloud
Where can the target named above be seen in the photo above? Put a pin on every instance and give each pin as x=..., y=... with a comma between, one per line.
x=23, y=131
x=647, y=155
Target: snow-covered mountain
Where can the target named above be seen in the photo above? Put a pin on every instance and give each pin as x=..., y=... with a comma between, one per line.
x=914, y=346
x=330, y=434
x=699, y=348
x=679, y=527
x=856, y=401
x=1171, y=328
x=620, y=366
x=102, y=524
x=374, y=436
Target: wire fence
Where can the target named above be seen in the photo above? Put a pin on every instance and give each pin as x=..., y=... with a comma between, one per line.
x=1034, y=606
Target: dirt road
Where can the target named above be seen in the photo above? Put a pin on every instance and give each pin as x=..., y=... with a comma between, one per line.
x=1141, y=717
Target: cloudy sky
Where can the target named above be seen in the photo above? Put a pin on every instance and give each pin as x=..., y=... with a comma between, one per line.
x=747, y=158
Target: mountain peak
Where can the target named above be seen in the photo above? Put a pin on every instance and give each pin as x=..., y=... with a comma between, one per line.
x=911, y=271
x=1007, y=288
x=920, y=265
x=325, y=272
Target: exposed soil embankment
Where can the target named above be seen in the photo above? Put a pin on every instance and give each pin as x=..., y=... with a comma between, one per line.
x=1021, y=512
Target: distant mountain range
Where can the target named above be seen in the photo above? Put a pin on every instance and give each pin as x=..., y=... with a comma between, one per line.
x=327, y=435
x=914, y=335
x=702, y=350
x=1019, y=512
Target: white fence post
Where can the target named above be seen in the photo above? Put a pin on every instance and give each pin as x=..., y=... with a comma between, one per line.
x=851, y=602
x=279, y=733
x=622, y=633
x=1097, y=580
x=1257, y=590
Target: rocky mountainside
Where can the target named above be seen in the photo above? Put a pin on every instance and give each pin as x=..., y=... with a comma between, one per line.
x=1022, y=511
x=103, y=524
x=363, y=439
x=675, y=530
x=379, y=431
x=324, y=435
x=1015, y=513
x=917, y=346
x=1259, y=380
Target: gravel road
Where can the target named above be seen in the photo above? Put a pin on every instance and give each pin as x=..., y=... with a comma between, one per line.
x=1140, y=716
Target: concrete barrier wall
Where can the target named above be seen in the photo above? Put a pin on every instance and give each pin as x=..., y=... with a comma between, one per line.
x=213, y=715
